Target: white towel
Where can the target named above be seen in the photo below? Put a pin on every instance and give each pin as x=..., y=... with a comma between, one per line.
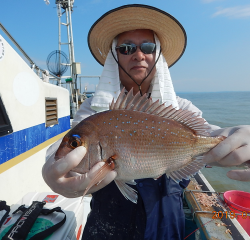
x=109, y=86
x=163, y=88
x=109, y=83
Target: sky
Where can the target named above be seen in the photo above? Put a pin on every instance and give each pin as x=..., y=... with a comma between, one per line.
x=217, y=57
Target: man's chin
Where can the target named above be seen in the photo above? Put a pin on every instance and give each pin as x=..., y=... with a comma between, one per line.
x=139, y=77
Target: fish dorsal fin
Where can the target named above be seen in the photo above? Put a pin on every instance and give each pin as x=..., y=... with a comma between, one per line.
x=145, y=104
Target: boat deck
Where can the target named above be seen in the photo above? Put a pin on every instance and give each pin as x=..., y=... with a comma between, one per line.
x=211, y=226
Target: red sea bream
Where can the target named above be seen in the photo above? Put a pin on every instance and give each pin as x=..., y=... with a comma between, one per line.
x=138, y=139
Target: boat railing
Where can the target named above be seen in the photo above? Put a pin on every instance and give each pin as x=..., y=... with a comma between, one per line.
x=43, y=74
x=223, y=205
x=82, y=88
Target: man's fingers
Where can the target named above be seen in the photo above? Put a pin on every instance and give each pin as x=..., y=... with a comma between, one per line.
x=237, y=157
x=224, y=148
x=240, y=175
x=67, y=163
x=91, y=174
x=78, y=184
x=108, y=179
x=71, y=190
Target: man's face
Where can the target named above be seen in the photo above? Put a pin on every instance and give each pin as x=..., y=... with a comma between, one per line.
x=138, y=64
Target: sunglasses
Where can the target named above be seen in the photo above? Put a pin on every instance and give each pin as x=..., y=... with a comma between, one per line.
x=130, y=48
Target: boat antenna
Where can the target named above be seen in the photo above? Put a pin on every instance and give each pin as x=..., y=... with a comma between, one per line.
x=65, y=8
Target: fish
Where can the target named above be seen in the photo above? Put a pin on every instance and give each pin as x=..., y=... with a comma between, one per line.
x=139, y=138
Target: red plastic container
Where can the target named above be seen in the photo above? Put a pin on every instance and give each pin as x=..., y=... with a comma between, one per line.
x=239, y=202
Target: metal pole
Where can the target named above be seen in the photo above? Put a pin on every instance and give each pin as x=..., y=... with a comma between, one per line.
x=69, y=40
x=74, y=80
x=70, y=62
x=80, y=79
x=59, y=38
x=70, y=54
x=71, y=32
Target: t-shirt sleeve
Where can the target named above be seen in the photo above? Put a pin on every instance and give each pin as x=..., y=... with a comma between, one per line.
x=83, y=112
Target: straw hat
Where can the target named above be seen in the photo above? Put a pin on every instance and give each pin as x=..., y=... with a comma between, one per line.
x=137, y=16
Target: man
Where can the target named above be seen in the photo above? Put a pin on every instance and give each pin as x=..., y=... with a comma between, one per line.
x=137, y=43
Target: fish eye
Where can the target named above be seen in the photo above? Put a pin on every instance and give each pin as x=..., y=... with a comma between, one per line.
x=75, y=142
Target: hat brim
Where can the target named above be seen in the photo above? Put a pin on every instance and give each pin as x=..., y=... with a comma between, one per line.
x=170, y=32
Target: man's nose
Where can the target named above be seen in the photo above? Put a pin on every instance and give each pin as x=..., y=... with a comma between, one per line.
x=138, y=55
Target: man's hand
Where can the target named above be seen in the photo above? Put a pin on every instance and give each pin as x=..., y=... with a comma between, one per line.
x=58, y=175
x=233, y=151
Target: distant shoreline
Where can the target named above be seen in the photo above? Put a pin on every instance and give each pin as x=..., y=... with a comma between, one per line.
x=216, y=92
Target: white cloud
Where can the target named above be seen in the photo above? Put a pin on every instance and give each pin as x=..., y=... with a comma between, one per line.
x=234, y=12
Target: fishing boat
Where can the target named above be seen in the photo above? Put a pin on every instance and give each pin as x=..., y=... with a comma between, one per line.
x=207, y=215
x=33, y=115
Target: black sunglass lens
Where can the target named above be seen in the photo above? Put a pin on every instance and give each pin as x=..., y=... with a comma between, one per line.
x=147, y=48
x=127, y=49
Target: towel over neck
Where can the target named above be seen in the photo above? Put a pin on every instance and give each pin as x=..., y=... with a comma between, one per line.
x=109, y=86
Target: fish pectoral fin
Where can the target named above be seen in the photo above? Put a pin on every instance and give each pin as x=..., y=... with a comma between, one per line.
x=188, y=170
x=131, y=182
x=101, y=174
x=128, y=192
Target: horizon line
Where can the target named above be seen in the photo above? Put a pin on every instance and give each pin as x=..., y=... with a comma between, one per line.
x=210, y=91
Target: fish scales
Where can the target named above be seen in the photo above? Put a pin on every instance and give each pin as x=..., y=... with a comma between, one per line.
x=141, y=144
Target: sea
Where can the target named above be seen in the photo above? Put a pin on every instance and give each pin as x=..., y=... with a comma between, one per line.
x=224, y=109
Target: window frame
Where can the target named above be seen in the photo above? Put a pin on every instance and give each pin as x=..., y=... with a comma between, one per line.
x=7, y=128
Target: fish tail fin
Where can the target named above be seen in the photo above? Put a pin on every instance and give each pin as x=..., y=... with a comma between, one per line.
x=188, y=170
x=128, y=192
x=100, y=174
x=196, y=164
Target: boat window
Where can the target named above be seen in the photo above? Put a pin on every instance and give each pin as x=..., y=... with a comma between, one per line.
x=5, y=125
x=51, y=111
